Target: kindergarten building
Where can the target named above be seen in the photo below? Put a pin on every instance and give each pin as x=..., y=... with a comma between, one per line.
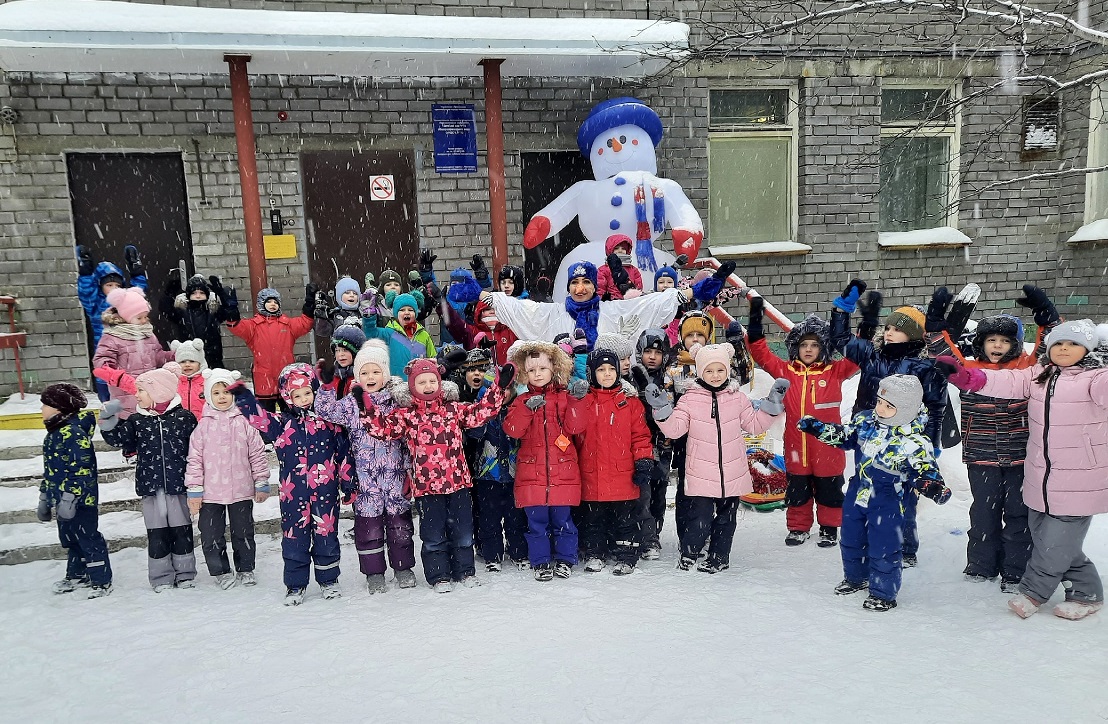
x=807, y=165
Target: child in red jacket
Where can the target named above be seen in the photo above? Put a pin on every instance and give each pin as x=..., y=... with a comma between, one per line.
x=616, y=461
x=270, y=336
x=813, y=470
x=618, y=278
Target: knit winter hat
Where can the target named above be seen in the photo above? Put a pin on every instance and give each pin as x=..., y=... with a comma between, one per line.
x=191, y=350
x=160, y=384
x=1081, y=331
x=404, y=300
x=600, y=357
x=654, y=339
x=515, y=273
x=706, y=354
x=420, y=366
x=909, y=320
x=348, y=336
x=295, y=376
x=343, y=285
x=373, y=352
x=665, y=271
x=216, y=375
x=698, y=321
x=905, y=393
x=622, y=347
x=197, y=283
x=389, y=276
x=64, y=397
x=582, y=269
x=129, y=302
x=264, y=296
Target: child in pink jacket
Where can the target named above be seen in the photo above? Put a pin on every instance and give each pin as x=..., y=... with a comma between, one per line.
x=127, y=346
x=714, y=413
x=227, y=473
x=1066, y=477
x=189, y=355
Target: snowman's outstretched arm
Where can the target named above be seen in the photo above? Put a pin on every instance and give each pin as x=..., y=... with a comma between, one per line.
x=554, y=216
x=684, y=221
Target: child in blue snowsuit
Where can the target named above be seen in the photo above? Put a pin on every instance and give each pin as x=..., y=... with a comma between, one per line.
x=314, y=467
x=69, y=487
x=93, y=284
x=891, y=453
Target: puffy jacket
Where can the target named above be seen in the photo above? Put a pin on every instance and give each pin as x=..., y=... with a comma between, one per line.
x=162, y=443
x=606, y=287
x=226, y=462
x=69, y=460
x=401, y=349
x=1066, y=472
x=816, y=390
x=465, y=333
x=615, y=437
x=198, y=320
x=133, y=356
x=497, y=452
x=94, y=301
x=271, y=341
x=715, y=453
x=191, y=390
x=547, y=471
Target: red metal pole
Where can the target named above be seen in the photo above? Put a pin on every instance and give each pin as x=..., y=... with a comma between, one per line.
x=494, y=145
x=248, y=172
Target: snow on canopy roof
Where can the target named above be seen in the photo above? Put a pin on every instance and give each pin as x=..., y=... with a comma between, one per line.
x=107, y=36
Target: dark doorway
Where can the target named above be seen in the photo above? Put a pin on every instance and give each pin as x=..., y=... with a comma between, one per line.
x=545, y=175
x=133, y=198
x=347, y=229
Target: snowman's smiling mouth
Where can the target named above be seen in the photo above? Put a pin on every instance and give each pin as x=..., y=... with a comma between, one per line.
x=624, y=157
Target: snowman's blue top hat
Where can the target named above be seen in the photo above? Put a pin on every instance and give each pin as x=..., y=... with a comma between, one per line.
x=618, y=112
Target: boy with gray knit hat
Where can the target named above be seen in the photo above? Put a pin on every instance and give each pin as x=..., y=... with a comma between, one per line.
x=891, y=452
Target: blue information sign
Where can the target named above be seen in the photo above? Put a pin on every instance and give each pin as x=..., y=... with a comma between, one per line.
x=455, y=132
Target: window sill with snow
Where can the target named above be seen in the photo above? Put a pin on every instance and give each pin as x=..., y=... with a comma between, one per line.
x=764, y=248
x=923, y=238
x=1096, y=231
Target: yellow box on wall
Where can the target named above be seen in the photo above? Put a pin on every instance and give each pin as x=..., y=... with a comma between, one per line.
x=279, y=246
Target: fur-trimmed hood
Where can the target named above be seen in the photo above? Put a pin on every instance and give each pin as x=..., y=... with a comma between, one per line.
x=398, y=386
x=811, y=326
x=519, y=351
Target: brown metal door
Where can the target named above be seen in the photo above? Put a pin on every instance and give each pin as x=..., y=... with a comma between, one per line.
x=348, y=231
x=133, y=198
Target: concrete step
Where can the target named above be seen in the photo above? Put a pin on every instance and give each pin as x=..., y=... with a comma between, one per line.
x=105, y=476
x=29, y=451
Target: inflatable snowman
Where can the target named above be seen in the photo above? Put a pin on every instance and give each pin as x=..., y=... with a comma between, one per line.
x=619, y=137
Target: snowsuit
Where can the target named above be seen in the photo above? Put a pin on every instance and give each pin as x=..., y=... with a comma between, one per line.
x=191, y=391
x=94, y=301
x=440, y=480
x=162, y=443
x=402, y=349
x=382, y=512
x=652, y=498
x=1066, y=469
x=887, y=460
x=226, y=467
x=199, y=320
x=812, y=469
x=130, y=356
x=716, y=468
x=314, y=467
x=271, y=341
x=69, y=466
x=494, y=473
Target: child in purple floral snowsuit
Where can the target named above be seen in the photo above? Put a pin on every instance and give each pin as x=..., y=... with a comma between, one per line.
x=312, y=454
x=382, y=513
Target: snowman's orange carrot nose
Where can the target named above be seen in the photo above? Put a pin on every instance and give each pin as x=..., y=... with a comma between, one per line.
x=616, y=145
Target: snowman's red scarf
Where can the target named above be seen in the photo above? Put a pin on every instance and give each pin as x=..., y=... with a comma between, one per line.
x=644, y=249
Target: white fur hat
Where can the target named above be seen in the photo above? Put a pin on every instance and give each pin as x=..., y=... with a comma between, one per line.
x=191, y=350
x=211, y=377
x=374, y=351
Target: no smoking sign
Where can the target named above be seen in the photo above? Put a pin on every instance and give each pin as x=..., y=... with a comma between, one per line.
x=382, y=188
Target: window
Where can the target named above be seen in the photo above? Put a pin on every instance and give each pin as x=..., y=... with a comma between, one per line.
x=1042, y=123
x=918, y=162
x=752, y=165
x=1096, y=184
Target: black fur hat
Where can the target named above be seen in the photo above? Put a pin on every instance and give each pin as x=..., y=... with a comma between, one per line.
x=812, y=326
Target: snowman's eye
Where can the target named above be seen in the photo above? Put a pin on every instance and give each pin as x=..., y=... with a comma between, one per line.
x=609, y=143
x=623, y=139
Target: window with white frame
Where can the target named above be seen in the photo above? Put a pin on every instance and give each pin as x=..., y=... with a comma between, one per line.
x=1096, y=183
x=752, y=165
x=919, y=158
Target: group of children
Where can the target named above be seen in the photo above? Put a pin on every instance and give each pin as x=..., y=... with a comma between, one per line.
x=553, y=452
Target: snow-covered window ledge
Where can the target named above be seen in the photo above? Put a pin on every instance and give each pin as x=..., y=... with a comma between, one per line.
x=923, y=238
x=764, y=248
x=1096, y=231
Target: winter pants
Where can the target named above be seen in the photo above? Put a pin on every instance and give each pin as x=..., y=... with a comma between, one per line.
x=681, y=511
x=616, y=521
x=213, y=526
x=446, y=527
x=1057, y=558
x=550, y=521
x=168, y=539
x=371, y=534
x=303, y=547
x=85, y=546
x=652, y=502
x=871, y=540
x=999, y=539
x=500, y=519
x=710, y=520
x=909, y=531
x=827, y=493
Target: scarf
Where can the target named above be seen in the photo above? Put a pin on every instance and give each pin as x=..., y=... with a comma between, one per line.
x=411, y=329
x=58, y=421
x=132, y=332
x=644, y=247
x=586, y=316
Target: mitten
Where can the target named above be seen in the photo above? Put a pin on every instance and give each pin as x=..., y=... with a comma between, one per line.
x=754, y=329
x=325, y=371
x=580, y=344
x=639, y=378
x=619, y=274
x=216, y=285
x=367, y=305
x=577, y=389
x=505, y=376
x=237, y=389
x=1037, y=301
x=774, y=403
x=109, y=414
x=871, y=314
x=485, y=341
x=735, y=334
x=310, y=292
x=936, y=490
x=415, y=280
x=810, y=425
x=231, y=305
x=370, y=280
x=964, y=378
x=133, y=261
x=659, y=402
x=480, y=271
x=534, y=402
x=426, y=260
x=848, y=300
x=936, y=310
x=44, y=511
x=680, y=261
x=323, y=307
x=67, y=507
x=644, y=469
x=85, y=264
x=173, y=285
x=726, y=269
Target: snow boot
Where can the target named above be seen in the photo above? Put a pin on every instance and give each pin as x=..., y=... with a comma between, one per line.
x=493, y=567
x=544, y=572
x=686, y=563
x=162, y=587
x=873, y=603
x=190, y=583
x=406, y=579
x=330, y=590
x=294, y=596
x=848, y=587
x=1077, y=610
x=99, y=591
x=1023, y=605
x=1010, y=585
x=797, y=537
x=975, y=578
x=562, y=569
x=594, y=565
x=828, y=536
x=471, y=581
x=652, y=553
x=623, y=569
x=69, y=585
x=226, y=580
x=909, y=561
x=444, y=586
x=714, y=565
x=523, y=565
x=247, y=578
x=376, y=583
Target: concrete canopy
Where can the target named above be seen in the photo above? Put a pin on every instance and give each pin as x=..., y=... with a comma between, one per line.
x=107, y=36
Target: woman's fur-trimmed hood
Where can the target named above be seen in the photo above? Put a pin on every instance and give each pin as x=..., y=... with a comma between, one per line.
x=521, y=350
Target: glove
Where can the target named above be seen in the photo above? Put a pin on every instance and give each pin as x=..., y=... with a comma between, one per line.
x=580, y=343
x=936, y=310
x=348, y=497
x=480, y=271
x=415, y=280
x=726, y=269
x=310, y=292
x=970, y=380
x=659, y=402
x=85, y=265
x=774, y=403
x=644, y=469
x=322, y=307
x=638, y=376
x=426, y=260
x=67, y=507
x=325, y=371
x=934, y=489
x=848, y=300
x=680, y=261
x=44, y=512
x=754, y=329
x=505, y=376
x=367, y=306
x=232, y=306
x=871, y=314
x=810, y=425
x=216, y=285
x=237, y=389
x=534, y=402
x=109, y=414
x=577, y=389
x=359, y=397
x=370, y=280
x=484, y=341
x=1036, y=300
x=735, y=334
x=706, y=290
x=133, y=262
x=619, y=274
